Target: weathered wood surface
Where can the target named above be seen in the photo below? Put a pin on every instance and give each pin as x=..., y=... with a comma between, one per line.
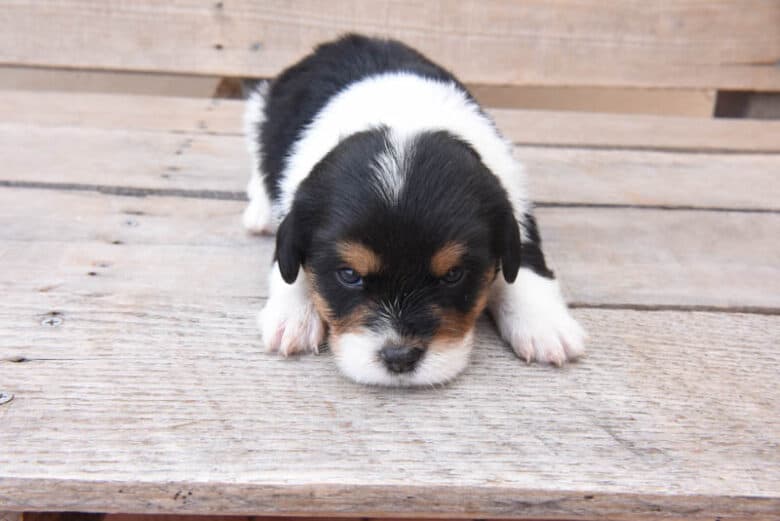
x=196, y=161
x=604, y=256
x=122, y=112
x=697, y=103
x=127, y=339
x=525, y=127
x=672, y=43
x=173, y=388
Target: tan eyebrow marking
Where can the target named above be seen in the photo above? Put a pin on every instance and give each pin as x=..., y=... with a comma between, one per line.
x=360, y=257
x=454, y=325
x=447, y=258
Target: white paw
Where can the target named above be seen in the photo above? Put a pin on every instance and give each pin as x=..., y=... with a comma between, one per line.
x=533, y=318
x=290, y=330
x=550, y=339
x=257, y=215
x=289, y=322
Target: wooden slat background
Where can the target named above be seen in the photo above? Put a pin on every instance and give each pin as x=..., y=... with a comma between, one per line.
x=724, y=44
x=526, y=127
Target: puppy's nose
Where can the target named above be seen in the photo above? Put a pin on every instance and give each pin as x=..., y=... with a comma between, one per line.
x=400, y=359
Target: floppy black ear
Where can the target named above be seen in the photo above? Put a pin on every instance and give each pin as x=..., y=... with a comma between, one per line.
x=290, y=247
x=510, y=255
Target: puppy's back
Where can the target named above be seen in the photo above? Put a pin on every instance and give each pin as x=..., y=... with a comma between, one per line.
x=303, y=90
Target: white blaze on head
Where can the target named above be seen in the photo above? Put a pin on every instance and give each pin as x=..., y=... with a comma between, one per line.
x=391, y=165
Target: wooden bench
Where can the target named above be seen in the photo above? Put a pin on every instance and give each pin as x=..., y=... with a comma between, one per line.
x=131, y=374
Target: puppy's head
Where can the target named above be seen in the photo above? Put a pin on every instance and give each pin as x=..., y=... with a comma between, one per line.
x=401, y=239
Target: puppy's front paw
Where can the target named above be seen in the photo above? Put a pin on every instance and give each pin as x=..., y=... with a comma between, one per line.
x=532, y=317
x=555, y=338
x=290, y=329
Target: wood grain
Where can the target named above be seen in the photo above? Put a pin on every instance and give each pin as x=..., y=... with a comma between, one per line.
x=124, y=158
x=47, y=79
x=195, y=161
x=121, y=112
x=698, y=103
x=672, y=415
x=671, y=43
x=635, y=131
x=529, y=127
x=604, y=257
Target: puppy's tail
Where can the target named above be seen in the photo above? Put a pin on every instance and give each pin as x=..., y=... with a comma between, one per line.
x=254, y=115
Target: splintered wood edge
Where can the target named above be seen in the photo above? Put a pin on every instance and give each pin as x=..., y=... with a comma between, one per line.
x=373, y=501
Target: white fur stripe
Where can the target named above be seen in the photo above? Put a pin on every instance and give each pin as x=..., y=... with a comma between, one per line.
x=408, y=105
x=257, y=216
x=254, y=115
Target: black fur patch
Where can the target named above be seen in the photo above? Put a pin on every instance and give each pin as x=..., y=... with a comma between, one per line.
x=447, y=195
x=301, y=91
x=531, y=255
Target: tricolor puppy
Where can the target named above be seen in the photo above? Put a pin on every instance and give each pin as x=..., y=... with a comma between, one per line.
x=400, y=215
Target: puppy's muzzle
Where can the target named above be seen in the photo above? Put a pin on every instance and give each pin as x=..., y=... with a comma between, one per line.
x=400, y=359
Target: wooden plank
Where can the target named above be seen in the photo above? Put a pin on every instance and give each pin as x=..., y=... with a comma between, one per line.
x=10, y=516
x=121, y=112
x=588, y=176
x=117, y=82
x=663, y=102
x=679, y=102
x=521, y=126
x=53, y=241
x=557, y=175
x=675, y=43
x=124, y=158
x=174, y=388
x=642, y=132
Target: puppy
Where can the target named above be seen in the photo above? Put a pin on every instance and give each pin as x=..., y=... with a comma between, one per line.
x=400, y=215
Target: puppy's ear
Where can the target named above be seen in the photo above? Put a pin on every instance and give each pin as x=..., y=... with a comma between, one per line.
x=510, y=245
x=290, y=247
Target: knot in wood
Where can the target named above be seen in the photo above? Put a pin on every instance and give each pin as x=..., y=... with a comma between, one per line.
x=52, y=321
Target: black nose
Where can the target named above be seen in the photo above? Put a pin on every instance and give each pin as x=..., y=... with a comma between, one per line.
x=400, y=359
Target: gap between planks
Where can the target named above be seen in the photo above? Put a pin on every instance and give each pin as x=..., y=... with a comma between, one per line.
x=223, y=195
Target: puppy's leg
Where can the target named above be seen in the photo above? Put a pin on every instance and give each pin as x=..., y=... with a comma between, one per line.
x=530, y=313
x=257, y=215
x=289, y=321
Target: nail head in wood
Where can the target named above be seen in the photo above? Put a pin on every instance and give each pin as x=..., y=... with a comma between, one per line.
x=5, y=397
x=52, y=321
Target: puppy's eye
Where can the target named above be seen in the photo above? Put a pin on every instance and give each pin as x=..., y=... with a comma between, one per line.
x=453, y=276
x=349, y=277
